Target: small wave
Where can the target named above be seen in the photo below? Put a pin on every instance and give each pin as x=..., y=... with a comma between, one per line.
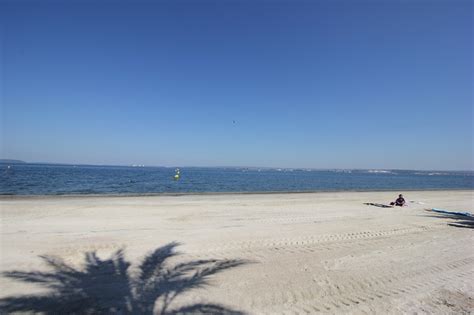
x=380, y=172
x=432, y=174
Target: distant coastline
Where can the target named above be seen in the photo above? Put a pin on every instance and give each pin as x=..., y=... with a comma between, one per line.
x=10, y=161
x=374, y=170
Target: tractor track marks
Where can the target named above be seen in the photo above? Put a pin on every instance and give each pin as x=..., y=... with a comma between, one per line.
x=332, y=297
x=259, y=248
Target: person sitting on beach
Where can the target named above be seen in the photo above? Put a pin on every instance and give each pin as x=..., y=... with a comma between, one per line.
x=399, y=202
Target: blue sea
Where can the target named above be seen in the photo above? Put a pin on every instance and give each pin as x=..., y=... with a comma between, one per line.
x=40, y=179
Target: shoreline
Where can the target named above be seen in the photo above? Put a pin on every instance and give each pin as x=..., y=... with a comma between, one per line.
x=171, y=194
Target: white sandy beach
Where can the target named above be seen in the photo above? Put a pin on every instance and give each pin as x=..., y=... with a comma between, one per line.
x=296, y=253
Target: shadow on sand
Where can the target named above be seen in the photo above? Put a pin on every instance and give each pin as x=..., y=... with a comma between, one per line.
x=380, y=205
x=106, y=286
x=457, y=220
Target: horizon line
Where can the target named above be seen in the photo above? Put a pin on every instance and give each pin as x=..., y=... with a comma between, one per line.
x=230, y=166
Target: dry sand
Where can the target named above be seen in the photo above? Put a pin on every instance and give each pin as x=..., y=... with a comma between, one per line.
x=296, y=253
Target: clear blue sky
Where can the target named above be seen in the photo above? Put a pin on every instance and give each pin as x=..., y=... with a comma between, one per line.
x=323, y=84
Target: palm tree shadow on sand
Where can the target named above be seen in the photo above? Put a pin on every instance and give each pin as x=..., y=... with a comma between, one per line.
x=456, y=220
x=107, y=287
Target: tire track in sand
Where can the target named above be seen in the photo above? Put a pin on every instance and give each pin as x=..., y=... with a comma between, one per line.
x=309, y=244
x=359, y=293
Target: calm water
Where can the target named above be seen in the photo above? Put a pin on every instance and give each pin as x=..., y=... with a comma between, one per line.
x=35, y=179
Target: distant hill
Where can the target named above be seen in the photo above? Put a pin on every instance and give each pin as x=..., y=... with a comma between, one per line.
x=7, y=161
